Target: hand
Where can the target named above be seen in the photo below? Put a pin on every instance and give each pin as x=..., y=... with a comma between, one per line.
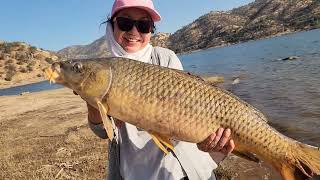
x=218, y=142
x=95, y=118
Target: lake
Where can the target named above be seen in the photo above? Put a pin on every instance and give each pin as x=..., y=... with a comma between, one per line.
x=286, y=91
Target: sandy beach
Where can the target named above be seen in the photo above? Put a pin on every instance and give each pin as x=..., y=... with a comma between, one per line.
x=44, y=135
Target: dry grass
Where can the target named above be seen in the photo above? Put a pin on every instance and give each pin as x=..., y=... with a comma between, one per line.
x=49, y=141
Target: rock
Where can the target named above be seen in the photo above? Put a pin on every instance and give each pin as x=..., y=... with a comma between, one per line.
x=236, y=81
x=290, y=58
x=24, y=93
x=214, y=79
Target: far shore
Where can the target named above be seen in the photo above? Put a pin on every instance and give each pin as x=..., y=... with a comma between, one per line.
x=44, y=135
x=9, y=84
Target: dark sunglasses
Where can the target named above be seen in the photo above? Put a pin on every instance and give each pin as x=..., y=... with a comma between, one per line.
x=126, y=24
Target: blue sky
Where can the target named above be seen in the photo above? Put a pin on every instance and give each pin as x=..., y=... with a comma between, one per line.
x=55, y=24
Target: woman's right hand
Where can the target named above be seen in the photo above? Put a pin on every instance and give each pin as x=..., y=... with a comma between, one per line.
x=95, y=118
x=93, y=115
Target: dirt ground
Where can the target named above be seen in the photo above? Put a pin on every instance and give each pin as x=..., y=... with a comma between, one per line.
x=44, y=135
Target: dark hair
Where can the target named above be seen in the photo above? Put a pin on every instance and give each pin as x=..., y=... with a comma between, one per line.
x=110, y=20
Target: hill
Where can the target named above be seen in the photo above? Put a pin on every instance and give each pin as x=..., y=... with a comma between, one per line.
x=22, y=62
x=96, y=49
x=259, y=19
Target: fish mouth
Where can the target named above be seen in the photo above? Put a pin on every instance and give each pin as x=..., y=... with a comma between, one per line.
x=53, y=74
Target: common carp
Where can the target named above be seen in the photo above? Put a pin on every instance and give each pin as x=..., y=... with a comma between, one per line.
x=173, y=104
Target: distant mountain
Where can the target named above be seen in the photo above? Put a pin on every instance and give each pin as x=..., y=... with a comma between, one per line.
x=259, y=19
x=96, y=49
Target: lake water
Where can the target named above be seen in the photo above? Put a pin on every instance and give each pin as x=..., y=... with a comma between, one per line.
x=288, y=92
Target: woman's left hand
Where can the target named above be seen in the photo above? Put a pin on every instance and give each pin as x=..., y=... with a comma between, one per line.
x=220, y=141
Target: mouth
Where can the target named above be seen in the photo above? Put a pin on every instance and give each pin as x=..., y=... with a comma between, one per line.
x=132, y=40
x=52, y=74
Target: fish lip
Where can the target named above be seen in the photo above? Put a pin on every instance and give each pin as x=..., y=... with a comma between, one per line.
x=53, y=73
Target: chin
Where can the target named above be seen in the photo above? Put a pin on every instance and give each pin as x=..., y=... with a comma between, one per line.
x=132, y=49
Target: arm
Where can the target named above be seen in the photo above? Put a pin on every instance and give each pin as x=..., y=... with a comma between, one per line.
x=95, y=122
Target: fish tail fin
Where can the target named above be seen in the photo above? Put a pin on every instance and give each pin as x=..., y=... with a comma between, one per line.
x=303, y=164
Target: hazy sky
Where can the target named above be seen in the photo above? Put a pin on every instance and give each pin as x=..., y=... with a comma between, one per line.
x=55, y=24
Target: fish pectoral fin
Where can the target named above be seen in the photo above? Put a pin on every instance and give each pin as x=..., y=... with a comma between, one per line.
x=162, y=142
x=106, y=121
x=246, y=155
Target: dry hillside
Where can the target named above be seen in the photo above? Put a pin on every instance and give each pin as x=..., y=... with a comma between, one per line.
x=20, y=62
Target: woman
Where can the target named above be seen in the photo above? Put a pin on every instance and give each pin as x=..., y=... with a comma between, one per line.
x=133, y=154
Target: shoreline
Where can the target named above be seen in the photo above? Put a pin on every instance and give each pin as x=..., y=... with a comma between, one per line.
x=8, y=84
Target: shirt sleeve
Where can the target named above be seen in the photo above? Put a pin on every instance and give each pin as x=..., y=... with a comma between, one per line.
x=174, y=61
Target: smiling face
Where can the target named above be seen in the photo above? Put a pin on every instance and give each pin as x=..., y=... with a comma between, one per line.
x=132, y=40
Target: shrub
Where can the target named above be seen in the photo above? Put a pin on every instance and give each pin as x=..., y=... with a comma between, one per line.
x=30, y=67
x=49, y=60
x=39, y=75
x=32, y=49
x=23, y=70
x=10, y=61
x=11, y=68
x=10, y=73
x=20, y=62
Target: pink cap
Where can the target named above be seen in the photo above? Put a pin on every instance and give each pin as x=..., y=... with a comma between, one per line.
x=142, y=4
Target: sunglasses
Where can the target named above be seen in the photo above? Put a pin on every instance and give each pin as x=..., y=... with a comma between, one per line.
x=126, y=24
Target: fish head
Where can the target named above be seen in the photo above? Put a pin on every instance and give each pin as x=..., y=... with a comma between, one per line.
x=87, y=78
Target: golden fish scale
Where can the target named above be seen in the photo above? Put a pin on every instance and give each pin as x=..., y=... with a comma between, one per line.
x=185, y=108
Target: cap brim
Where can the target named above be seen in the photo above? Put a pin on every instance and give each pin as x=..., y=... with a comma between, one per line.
x=155, y=16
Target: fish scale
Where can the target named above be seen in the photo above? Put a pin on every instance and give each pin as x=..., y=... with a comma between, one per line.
x=174, y=104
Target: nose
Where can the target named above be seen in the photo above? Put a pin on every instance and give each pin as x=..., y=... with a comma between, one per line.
x=134, y=30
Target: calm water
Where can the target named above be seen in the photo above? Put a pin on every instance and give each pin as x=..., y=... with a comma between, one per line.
x=40, y=86
x=288, y=92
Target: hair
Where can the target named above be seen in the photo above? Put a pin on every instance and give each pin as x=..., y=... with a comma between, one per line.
x=110, y=20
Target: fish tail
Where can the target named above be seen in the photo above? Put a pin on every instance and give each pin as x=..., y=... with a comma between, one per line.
x=302, y=163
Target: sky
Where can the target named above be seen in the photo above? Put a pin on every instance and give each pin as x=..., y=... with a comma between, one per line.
x=56, y=24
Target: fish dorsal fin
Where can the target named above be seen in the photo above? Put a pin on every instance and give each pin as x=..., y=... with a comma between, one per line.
x=162, y=141
x=106, y=121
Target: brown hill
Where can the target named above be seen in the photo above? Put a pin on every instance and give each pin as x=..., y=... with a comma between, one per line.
x=20, y=62
x=96, y=49
x=259, y=19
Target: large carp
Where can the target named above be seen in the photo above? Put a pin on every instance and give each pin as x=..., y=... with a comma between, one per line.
x=172, y=104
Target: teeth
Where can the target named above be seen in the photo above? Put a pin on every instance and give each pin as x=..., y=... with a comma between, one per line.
x=132, y=40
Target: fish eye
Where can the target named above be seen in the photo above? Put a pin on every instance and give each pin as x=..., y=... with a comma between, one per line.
x=77, y=67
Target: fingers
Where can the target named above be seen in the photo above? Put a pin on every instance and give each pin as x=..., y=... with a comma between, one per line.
x=223, y=139
x=205, y=145
x=217, y=139
x=220, y=141
x=228, y=148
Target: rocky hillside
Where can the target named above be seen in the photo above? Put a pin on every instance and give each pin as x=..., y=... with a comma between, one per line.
x=22, y=62
x=96, y=49
x=260, y=19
